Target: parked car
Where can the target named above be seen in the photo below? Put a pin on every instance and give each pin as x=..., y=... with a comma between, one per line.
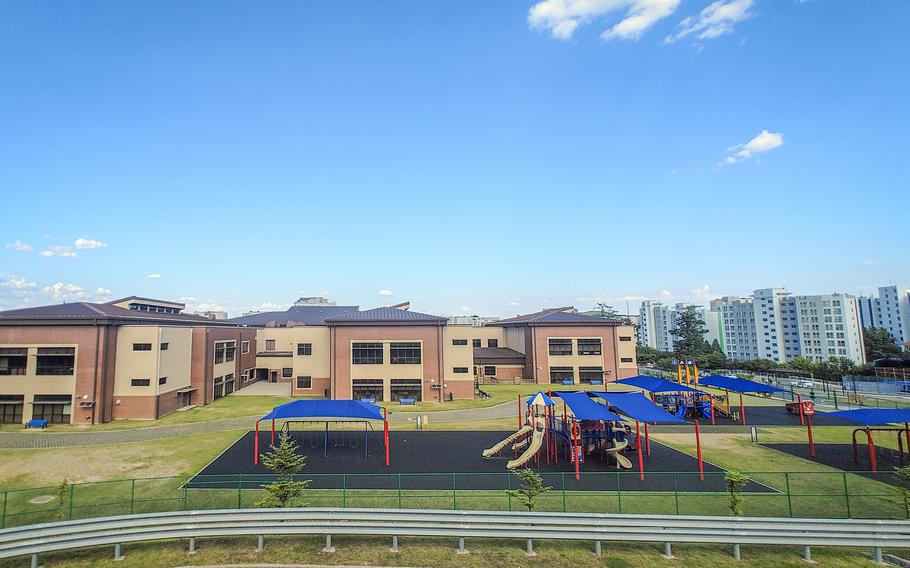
x=803, y=384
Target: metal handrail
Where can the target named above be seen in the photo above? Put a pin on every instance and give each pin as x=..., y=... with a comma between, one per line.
x=51, y=537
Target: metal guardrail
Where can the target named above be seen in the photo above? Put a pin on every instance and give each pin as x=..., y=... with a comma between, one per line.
x=52, y=537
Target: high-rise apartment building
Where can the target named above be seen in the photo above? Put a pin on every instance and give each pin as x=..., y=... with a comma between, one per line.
x=890, y=311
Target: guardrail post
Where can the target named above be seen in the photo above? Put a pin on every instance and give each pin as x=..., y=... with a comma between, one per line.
x=877, y=555
x=668, y=551
x=461, y=548
x=736, y=554
x=807, y=553
x=260, y=543
x=118, y=552
x=529, y=548
x=328, y=544
x=597, y=548
x=394, y=547
x=192, y=548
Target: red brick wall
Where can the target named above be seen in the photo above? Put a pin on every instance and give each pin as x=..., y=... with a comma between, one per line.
x=542, y=351
x=135, y=408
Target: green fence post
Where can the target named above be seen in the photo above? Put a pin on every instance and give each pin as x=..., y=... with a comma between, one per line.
x=133, y=496
x=847, y=496
x=618, y=493
x=453, y=492
x=676, y=490
x=508, y=493
x=3, y=513
x=789, y=498
x=344, y=490
x=239, y=490
x=70, y=513
x=399, y=491
x=564, y=492
x=184, y=496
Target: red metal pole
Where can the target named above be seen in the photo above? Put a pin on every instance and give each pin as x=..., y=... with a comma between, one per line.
x=647, y=440
x=385, y=428
x=575, y=451
x=273, y=431
x=711, y=404
x=256, y=445
x=871, y=450
x=855, y=450
x=742, y=409
x=799, y=403
x=641, y=463
x=811, y=442
x=701, y=465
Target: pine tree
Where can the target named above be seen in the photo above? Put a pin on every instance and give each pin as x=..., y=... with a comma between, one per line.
x=285, y=462
x=531, y=487
x=736, y=482
x=690, y=334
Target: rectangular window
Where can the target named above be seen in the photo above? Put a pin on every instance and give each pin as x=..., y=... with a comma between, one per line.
x=269, y=344
x=245, y=347
x=140, y=382
x=54, y=408
x=219, y=353
x=459, y=342
x=230, y=350
x=460, y=370
x=406, y=388
x=228, y=384
x=13, y=360
x=492, y=343
x=560, y=346
x=560, y=374
x=404, y=353
x=367, y=353
x=56, y=361
x=164, y=346
x=589, y=374
x=142, y=346
x=11, y=408
x=304, y=348
x=625, y=338
x=489, y=371
x=589, y=347
x=625, y=359
x=218, y=390
x=162, y=380
x=287, y=372
x=476, y=343
x=366, y=388
x=304, y=382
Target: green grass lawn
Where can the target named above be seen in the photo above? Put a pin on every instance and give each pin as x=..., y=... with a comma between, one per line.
x=368, y=551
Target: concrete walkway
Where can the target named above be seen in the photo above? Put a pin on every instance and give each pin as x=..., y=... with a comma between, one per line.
x=50, y=439
x=264, y=388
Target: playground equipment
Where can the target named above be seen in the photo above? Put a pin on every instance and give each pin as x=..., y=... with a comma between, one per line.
x=691, y=371
x=871, y=417
x=740, y=386
x=693, y=405
x=531, y=432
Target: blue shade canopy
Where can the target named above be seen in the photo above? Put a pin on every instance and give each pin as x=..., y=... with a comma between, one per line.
x=736, y=384
x=872, y=416
x=325, y=409
x=638, y=407
x=540, y=399
x=583, y=408
x=655, y=384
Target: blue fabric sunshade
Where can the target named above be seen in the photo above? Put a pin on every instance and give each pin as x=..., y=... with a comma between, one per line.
x=583, y=408
x=540, y=399
x=873, y=416
x=638, y=407
x=325, y=409
x=736, y=384
x=655, y=384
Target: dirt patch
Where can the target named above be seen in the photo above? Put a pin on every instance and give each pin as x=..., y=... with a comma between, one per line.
x=726, y=441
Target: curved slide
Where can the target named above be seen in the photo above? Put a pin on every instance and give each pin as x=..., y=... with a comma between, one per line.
x=525, y=430
x=622, y=462
x=533, y=447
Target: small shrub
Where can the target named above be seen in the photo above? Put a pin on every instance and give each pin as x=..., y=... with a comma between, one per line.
x=531, y=487
x=736, y=482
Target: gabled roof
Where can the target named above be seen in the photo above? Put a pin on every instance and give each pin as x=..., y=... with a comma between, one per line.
x=306, y=315
x=87, y=312
x=498, y=356
x=555, y=316
x=386, y=315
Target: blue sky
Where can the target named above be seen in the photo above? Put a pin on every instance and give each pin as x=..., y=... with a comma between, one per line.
x=471, y=156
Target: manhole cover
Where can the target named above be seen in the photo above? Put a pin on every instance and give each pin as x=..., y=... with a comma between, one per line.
x=41, y=499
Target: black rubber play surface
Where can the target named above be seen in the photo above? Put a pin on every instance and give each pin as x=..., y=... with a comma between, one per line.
x=440, y=459
x=775, y=416
x=840, y=456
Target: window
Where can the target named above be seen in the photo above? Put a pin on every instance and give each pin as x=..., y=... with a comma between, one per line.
x=459, y=342
x=230, y=350
x=304, y=348
x=11, y=408
x=460, y=370
x=218, y=390
x=366, y=388
x=219, y=353
x=162, y=380
x=589, y=374
x=142, y=346
x=406, y=388
x=476, y=343
x=304, y=382
x=625, y=359
x=625, y=338
x=140, y=382
x=54, y=408
x=13, y=360
x=245, y=347
x=560, y=374
x=367, y=353
x=560, y=346
x=492, y=343
x=164, y=346
x=489, y=370
x=228, y=384
x=589, y=346
x=287, y=372
x=269, y=344
x=404, y=353
x=56, y=361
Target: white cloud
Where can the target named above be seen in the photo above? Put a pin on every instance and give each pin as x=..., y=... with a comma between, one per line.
x=384, y=292
x=84, y=243
x=64, y=292
x=153, y=276
x=714, y=21
x=58, y=250
x=19, y=246
x=633, y=298
x=703, y=293
x=466, y=308
x=563, y=17
x=102, y=292
x=760, y=144
x=513, y=304
x=270, y=307
x=666, y=294
x=868, y=262
x=17, y=283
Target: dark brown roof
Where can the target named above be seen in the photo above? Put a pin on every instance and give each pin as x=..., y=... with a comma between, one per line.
x=141, y=299
x=498, y=356
x=88, y=312
x=386, y=315
x=555, y=316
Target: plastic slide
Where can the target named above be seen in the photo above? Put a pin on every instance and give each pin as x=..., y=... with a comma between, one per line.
x=622, y=462
x=525, y=430
x=536, y=442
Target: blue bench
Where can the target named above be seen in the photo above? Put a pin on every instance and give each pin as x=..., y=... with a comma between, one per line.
x=596, y=382
x=568, y=382
x=368, y=399
x=36, y=423
x=407, y=401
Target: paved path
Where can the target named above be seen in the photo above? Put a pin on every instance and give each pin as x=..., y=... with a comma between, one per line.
x=51, y=439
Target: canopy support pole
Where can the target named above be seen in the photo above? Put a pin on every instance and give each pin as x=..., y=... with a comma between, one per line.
x=273, y=431
x=641, y=463
x=799, y=406
x=256, y=445
x=742, y=409
x=576, y=453
x=647, y=440
x=711, y=406
x=385, y=428
x=809, y=431
x=701, y=465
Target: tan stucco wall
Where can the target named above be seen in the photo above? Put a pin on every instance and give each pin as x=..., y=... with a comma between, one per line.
x=176, y=362
x=31, y=384
x=136, y=364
